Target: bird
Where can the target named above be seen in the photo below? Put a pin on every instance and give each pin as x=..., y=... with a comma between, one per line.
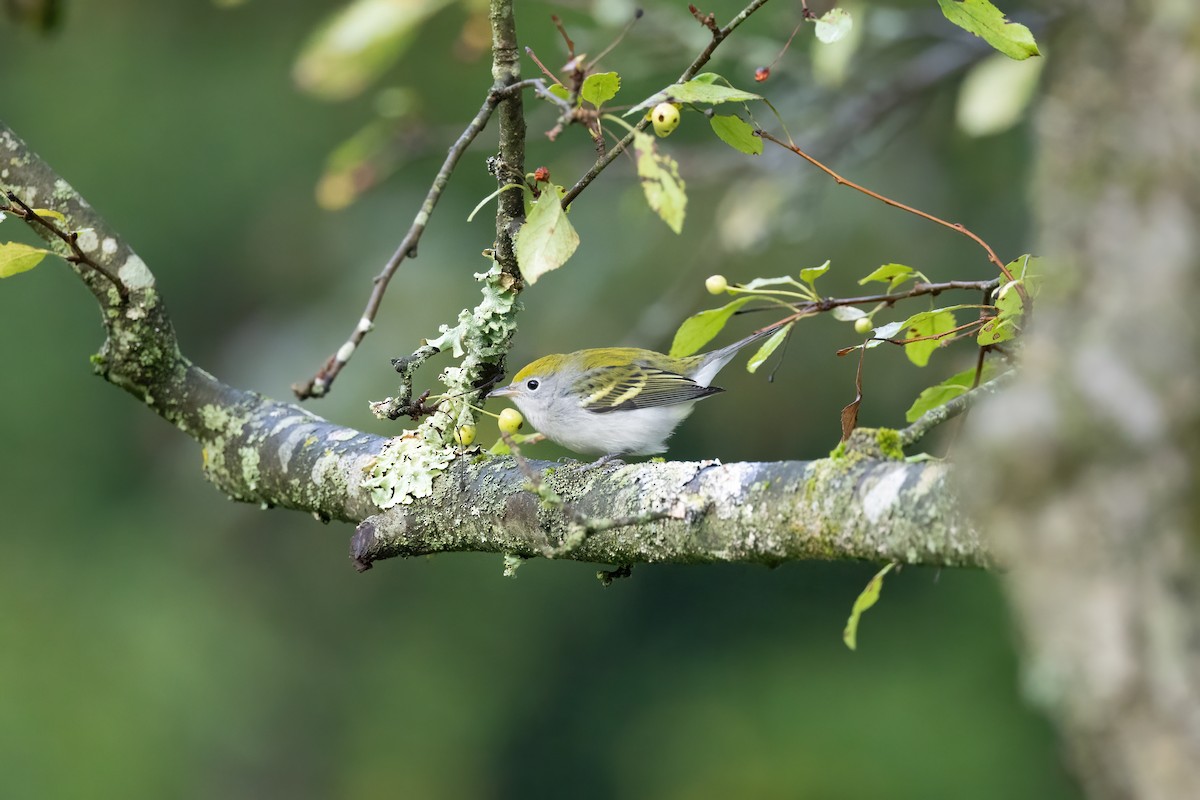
x=616, y=401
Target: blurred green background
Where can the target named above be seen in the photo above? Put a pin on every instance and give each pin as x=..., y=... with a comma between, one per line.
x=159, y=641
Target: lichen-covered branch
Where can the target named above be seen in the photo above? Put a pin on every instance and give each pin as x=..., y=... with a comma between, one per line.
x=852, y=507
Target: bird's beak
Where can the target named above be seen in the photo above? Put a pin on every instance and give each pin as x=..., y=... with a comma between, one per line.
x=503, y=391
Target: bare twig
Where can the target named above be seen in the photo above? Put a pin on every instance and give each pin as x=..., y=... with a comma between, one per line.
x=320, y=383
x=19, y=208
x=954, y=226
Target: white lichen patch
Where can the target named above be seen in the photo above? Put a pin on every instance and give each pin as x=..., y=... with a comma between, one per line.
x=108, y=246
x=725, y=486
x=88, y=241
x=405, y=470
x=134, y=273
x=884, y=493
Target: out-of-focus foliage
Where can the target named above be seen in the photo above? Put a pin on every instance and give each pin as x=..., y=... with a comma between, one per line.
x=161, y=641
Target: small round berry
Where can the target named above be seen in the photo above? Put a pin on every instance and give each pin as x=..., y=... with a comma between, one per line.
x=762, y=73
x=510, y=420
x=464, y=435
x=665, y=117
x=862, y=325
x=541, y=174
x=716, y=284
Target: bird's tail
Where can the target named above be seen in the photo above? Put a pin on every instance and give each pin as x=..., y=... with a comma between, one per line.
x=716, y=360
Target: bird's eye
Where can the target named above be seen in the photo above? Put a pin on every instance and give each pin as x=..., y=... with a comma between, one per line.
x=531, y=386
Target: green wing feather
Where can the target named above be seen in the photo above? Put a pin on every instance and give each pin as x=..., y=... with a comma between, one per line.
x=632, y=386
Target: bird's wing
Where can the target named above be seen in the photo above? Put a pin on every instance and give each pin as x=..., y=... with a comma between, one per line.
x=633, y=386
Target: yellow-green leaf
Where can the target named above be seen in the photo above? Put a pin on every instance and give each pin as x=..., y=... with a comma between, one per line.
x=357, y=43
x=768, y=347
x=699, y=329
x=867, y=598
x=665, y=190
x=892, y=274
x=601, y=87
x=737, y=133
x=16, y=258
x=986, y=21
x=995, y=94
x=49, y=213
x=810, y=274
x=995, y=331
x=547, y=239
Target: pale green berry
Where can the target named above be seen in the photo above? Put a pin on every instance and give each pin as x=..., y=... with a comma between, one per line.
x=862, y=325
x=510, y=420
x=464, y=434
x=716, y=284
x=665, y=118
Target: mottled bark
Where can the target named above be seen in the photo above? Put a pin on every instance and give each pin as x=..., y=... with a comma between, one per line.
x=1085, y=473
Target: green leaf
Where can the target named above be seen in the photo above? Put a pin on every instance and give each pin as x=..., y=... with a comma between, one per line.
x=887, y=331
x=701, y=89
x=16, y=258
x=833, y=25
x=847, y=313
x=358, y=43
x=760, y=283
x=986, y=21
x=559, y=91
x=598, y=89
x=810, y=274
x=892, y=274
x=659, y=173
x=1008, y=300
x=704, y=92
x=768, y=347
x=867, y=598
x=1030, y=269
x=699, y=329
x=940, y=394
x=547, y=239
x=737, y=133
x=928, y=323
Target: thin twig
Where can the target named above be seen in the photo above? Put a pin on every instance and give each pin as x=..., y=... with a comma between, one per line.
x=320, y=383
x=919, y=289
x=718, y=35
x=71, y=240
x=947, y=411
x=954, y=226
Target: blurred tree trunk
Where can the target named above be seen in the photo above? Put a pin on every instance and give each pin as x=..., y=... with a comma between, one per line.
x=1087, y=475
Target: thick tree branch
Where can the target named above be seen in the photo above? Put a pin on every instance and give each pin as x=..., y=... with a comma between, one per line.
x=852, y=507
x=858, y=505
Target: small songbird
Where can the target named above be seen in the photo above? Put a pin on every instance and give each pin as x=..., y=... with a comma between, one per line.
x=616, y=400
